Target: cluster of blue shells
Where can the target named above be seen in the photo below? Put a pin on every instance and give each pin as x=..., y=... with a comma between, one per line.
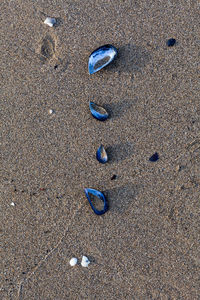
x=98, y=59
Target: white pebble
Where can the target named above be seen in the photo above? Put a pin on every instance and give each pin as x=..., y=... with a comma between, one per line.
x=12, y=203
x=50, y=21
x=73, y=261
x=85, y=261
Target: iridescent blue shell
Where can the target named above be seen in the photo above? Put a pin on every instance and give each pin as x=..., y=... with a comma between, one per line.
x=98, y=112
x=100, y=196
x=101, y=57
x=101, y=155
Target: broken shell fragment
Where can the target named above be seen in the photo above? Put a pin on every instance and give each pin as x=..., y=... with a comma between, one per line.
x=154, y=157
x=98, y=112
x=101, y=57
x=101, y=155
x=98, y=195
x=85, y=261
x=171, y=42
x=73, y=261
x=50, y=21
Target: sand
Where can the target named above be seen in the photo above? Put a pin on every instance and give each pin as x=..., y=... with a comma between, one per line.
x=146, y=245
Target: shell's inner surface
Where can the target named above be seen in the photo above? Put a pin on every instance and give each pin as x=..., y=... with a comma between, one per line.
x=101, y=155
x=99, y=109
x=97, y=201
x=98, y=112
x=104, y=154
x=101, y=62
x=101, y=57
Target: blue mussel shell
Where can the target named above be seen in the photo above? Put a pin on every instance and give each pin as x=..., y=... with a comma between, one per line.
x=100, y=196
x=98, y=112
x=101, y=155
x=101, y=57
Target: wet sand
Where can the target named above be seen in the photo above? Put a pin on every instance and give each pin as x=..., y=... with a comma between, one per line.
x=146, y=245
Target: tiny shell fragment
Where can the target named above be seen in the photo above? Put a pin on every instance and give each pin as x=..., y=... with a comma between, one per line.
x=154, y=157
x=73, y=261
x=171, y=42
x=51, y=111
x=85, y=261
x=50, y=21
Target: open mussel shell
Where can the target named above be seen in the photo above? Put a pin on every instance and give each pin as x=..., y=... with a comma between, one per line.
x=98, y=112
x=101, y=57
x=101, y=196
x=101, y=155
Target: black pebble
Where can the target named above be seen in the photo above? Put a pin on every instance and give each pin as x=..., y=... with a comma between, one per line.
x=113, y=177
x=154, y=157
x=55, y=67
x=171, y=42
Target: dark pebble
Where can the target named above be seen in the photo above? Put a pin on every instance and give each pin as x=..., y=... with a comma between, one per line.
x=113, y=177
x=154, y=157
x=171, y=42
x=55, y=67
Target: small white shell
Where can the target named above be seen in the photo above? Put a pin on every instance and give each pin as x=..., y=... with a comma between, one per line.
x=50, y=111
x=85, y=262
x=50, y=21
x=73, y=261
x=12, y=203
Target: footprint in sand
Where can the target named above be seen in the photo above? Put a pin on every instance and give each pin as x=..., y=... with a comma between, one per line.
x=47, y=49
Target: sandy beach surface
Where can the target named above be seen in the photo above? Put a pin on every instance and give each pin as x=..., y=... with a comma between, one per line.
x=147, y=245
